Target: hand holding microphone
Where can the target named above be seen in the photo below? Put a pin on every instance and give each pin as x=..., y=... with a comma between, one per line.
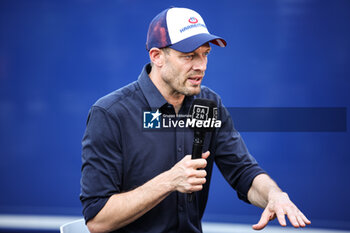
x=204, y=111
x=188, y=175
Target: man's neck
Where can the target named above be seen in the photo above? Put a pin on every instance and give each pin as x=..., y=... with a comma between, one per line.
x=174, y=98
x=175, y=101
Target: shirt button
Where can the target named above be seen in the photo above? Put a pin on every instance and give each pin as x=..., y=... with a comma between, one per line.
x=179, y=149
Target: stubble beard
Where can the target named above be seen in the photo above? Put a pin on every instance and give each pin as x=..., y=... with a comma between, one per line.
x=178, y=86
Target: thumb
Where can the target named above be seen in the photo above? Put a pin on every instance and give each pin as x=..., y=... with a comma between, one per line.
x=264, y=220
x=206, y=154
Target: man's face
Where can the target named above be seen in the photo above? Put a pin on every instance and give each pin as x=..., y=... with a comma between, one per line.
x=182, y=73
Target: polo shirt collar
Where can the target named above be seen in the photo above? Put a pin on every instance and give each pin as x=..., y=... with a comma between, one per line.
x=150, y=91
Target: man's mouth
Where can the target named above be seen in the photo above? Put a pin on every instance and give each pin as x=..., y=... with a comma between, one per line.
x=195, y=80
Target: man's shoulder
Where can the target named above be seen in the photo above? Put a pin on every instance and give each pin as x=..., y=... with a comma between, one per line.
x=113, y=99
x=208, y=93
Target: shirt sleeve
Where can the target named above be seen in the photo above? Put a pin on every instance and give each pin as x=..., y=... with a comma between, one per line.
x=234, y=161
x=101, y=161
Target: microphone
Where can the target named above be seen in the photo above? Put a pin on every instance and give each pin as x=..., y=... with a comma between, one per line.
x=203, y=112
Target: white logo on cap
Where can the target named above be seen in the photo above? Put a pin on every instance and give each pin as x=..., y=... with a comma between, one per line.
x=183, y=23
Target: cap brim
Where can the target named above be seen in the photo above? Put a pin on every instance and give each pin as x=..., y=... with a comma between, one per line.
x=192, y=43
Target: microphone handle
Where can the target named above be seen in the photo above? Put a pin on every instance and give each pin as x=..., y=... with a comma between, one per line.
x=196, y=153
x=197, y=149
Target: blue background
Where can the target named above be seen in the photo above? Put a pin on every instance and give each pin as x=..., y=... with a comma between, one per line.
x=58, y=57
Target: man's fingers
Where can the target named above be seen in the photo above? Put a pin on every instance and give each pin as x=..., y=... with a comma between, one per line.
x=196, y=188
x=295, y=216
x=197, y=181
x=281, y=218
x=200, y=173
x=292, y=219
x=196, y=163
x=300, y=221
x=187, y=158
x=279, y=206
x=199, y=163
x=206, y=155
x=264, y=220
x=305, y=219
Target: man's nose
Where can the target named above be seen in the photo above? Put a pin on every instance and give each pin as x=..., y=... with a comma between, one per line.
x=200, y=63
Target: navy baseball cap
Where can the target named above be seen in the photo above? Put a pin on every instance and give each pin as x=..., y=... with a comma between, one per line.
x=181, y=29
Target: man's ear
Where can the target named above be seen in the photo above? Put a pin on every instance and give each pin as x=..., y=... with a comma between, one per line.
x=157, y=57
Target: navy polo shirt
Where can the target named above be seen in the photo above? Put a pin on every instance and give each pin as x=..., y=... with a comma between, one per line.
x=119, y=154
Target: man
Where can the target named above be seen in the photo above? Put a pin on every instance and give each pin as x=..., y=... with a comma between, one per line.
x=138, y=180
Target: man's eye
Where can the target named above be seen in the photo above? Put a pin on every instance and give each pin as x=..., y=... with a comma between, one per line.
x=189, y=56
